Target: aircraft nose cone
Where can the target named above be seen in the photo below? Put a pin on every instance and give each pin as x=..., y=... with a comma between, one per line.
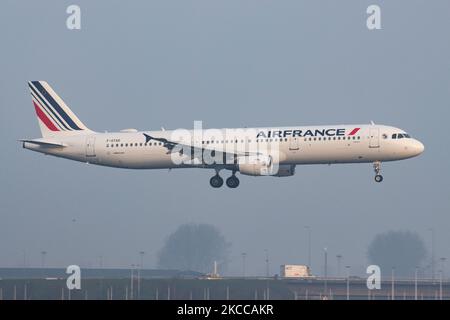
x=418, y=147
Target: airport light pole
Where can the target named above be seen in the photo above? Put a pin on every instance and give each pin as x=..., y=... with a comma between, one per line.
x=43, y=254
x=142, y=253
x=132, y=282
x=432, y=252
x=244, y=255
x=24, y=259
x=326, y=269
x=415, y=283
x=392, y=284
x=348, y=282
x=443, y=265
x=267, y=262
x=308, y=228
x=339, y=257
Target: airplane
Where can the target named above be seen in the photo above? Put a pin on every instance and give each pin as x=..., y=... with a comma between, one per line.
x=273, y=151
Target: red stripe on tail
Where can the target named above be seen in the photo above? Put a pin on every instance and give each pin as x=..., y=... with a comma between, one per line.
x=44, y=118
x=354, y=131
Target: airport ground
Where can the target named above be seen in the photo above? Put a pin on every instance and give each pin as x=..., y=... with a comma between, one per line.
x=174, y=286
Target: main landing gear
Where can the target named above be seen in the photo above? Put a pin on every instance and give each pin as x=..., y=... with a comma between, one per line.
x=233, y=181
x=217, y=181
x=377, y=169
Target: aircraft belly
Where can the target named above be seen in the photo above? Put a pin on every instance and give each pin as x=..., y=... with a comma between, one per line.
x=351, y=152
x=137, y=160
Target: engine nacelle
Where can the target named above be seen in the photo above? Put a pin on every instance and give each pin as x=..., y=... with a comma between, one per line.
x=257, y=165
x=263, y=166
x=285, y=170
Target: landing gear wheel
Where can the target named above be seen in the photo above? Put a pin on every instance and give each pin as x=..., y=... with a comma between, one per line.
x=377, y=169
x=232, y=182
x=216, y=181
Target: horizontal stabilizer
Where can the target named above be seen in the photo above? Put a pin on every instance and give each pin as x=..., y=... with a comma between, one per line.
x=44, y=143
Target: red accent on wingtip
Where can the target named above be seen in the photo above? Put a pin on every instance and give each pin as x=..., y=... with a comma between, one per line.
x=354, y=131
x=44, y=118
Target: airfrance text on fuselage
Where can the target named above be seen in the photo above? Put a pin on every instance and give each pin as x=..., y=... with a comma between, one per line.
x=300, y=133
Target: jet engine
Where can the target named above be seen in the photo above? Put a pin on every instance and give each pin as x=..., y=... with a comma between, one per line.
x=285, y=170
x=257, y=165
x=260, y=165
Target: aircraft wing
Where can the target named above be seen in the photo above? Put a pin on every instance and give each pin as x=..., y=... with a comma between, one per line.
x=170, y=145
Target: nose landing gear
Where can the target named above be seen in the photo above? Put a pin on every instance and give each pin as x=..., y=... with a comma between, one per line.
x=377, y=169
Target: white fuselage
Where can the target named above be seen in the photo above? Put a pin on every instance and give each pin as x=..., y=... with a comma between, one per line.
x=289, y=145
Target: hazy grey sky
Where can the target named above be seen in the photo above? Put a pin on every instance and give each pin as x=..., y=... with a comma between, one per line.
x=147, y=64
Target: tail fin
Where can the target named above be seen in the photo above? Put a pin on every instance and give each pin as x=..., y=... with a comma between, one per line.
x=54, y=116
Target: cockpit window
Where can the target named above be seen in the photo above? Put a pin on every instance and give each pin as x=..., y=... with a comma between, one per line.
x=400, y=135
